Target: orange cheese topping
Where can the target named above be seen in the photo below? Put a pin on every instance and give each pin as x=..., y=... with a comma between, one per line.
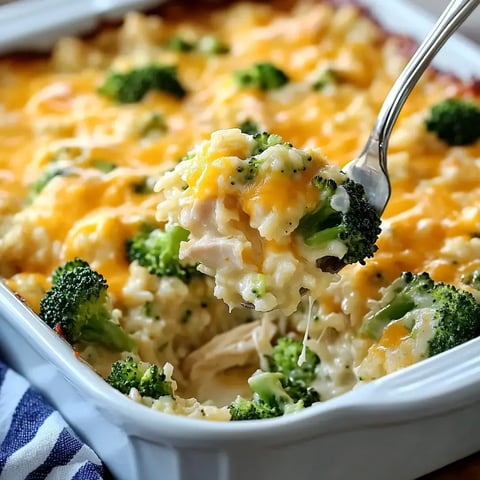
x=393, y=335
x=280, y=192
x=49, y=102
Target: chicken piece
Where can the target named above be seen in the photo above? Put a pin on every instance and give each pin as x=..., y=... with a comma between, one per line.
x=216, y=252
x=235, y=348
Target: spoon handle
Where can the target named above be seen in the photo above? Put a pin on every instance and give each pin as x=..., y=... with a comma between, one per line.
x=453, y=16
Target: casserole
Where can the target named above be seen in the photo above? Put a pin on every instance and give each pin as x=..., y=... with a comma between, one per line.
x=232, y=462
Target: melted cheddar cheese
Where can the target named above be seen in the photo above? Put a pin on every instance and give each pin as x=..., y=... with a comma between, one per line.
x=51, y=114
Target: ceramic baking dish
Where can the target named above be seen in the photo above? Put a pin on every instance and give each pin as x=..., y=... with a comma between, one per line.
x=399, y=427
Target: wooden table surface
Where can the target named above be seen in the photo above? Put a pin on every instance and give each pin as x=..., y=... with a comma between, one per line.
x=466, y=469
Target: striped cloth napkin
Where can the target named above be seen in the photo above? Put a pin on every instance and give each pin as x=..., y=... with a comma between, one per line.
x=35, y=441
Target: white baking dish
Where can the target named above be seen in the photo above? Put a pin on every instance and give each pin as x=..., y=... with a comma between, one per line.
x=37, y=24
x=398, y=427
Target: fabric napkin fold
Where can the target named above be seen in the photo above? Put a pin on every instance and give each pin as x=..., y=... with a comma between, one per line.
x=35, y=441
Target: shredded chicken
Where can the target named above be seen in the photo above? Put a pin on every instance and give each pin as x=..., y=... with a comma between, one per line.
x=237, y=347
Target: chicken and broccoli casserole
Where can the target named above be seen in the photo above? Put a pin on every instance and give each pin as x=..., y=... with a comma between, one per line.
x=173, y=205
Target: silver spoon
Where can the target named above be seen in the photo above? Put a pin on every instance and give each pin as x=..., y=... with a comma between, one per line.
x=370, y=167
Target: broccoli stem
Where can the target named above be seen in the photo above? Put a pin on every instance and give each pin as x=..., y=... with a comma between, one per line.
x=323, y=236
x=397, y=308
x=268, y=386
x=103, y=331
x=320, y=225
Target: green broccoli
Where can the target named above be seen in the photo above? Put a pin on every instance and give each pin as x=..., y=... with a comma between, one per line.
x=266, y=140
x=297, y=379
x=285, y=389
x=263, y=141
x=249, y=127
x=268, y=386
x=455, y=313
x=356, y=226
x=455, y=121
x=262, y=75
x=132, y=86
x=300, y=393
x=60, y=271
x=284, y=359
x=157, y=250
x=270, y=399
x=250, y=170
x=147, y=378
x=77, y=307
x=405, y=294
x=244, y=409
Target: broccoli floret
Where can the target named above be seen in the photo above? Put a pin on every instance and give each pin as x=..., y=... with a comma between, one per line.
x=157, y=250
x=78, y=308
x=262, y=75
x=266, y=140
x=270, y=399
x=285, y=389
x=132, y=86
x=249, y=172
x=458, y=316
x=68, y=267
x=455, y=313
x=243, y=409
x=299, y=393
x=262, y=142
x=455, y=121
x=147, y=378
x=249, y=127
x=268, y=387
x=406, y=293
x=354, y=222
x=284, y=359
x=296, y=378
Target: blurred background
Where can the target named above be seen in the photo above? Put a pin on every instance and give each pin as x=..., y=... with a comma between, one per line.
x=471, y=27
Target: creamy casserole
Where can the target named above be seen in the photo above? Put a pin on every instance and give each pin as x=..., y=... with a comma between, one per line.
x=98, y=162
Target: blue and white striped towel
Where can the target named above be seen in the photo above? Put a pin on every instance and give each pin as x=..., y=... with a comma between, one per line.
x=35, y=441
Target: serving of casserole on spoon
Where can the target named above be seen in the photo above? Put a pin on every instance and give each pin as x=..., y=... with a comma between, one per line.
x=266, y=219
